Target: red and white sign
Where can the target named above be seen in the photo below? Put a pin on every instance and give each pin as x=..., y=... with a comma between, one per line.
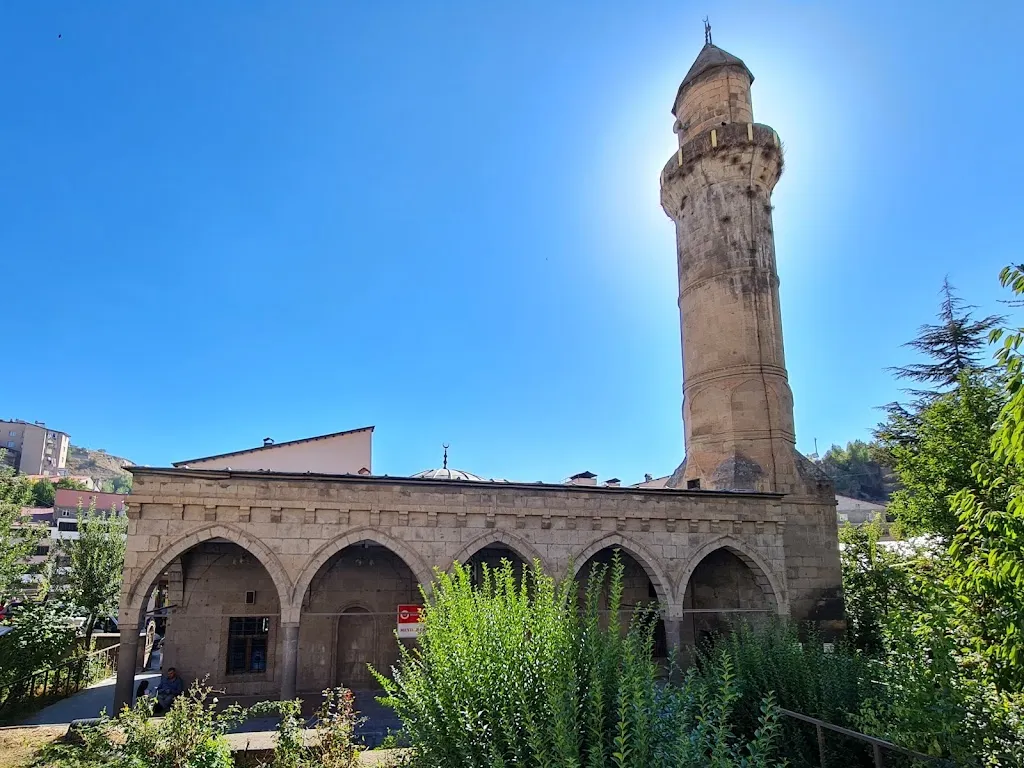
x=409, y=620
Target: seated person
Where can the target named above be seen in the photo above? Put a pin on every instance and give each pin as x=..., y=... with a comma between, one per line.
x=170, y=688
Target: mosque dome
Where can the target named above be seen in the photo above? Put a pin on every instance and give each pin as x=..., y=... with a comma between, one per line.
x=448, y=474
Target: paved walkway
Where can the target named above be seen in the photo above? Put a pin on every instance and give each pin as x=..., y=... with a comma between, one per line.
x=86, y=703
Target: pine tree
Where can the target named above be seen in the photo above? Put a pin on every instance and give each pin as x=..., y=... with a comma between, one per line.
x=955, y=345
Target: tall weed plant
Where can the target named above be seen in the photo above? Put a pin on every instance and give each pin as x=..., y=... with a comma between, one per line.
x=800, y=675
x=515, y=671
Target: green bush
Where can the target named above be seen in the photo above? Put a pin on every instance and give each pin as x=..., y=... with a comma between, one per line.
x=516, y=672
x=773, y=660
x=936, y=702
x=336, y=722
x=41, y=636
x=334, y=745
x=190, y=735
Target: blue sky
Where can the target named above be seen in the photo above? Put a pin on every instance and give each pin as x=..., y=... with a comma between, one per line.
x=223, y=221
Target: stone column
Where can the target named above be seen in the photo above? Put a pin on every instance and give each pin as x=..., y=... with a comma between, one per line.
x=127, y=655
x=673, y=636
x=673, y=639
x=289, y=659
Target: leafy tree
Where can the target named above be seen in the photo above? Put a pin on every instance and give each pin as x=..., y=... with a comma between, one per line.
x=71, y=484
x=935, y=701
x=954, y=345
x=43, y=493
x=932, y=695
x=92, y=581
x=933, y=450
x=876, y=582
x=120, y=484
x=41, y=635
x=17, y=539
x=987, y=554
x=856, y=471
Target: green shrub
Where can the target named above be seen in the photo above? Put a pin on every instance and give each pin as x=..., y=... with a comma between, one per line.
x=936, y=702
x=41, y=636
x=516, y=672
x=190, y=735
x=801, y=676
x=336, y=722
x=289, y=750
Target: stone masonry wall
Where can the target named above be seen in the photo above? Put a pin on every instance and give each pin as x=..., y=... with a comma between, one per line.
x=294, y=525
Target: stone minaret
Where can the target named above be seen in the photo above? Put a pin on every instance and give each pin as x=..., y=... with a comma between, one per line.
x=717, y=188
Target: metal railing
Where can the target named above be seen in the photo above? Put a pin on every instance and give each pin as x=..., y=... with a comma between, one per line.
x=878, y=746
x=58, y=682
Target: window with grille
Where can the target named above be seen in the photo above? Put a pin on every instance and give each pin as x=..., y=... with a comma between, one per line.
x=247, y=644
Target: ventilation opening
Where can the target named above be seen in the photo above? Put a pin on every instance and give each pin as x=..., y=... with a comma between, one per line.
x=250, y=598
x=693, y=485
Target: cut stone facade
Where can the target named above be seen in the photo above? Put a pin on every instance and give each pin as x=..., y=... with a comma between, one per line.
x=303, y=544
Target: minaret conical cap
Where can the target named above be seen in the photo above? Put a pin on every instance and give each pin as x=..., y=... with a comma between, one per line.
x=711, y=57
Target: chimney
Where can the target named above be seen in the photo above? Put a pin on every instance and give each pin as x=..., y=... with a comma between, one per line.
x=613, y=483
x=267, y=442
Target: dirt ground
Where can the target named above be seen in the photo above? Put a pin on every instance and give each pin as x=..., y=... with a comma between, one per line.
x=19, y=745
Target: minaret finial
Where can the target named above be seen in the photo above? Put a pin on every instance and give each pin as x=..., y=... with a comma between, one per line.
x=707, y=31
x=445, y=465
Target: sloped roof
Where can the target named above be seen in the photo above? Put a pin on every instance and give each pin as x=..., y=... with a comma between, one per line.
x=272, y=446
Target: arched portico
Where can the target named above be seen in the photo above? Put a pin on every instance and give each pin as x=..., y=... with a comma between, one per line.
x=657, y=575
x=522, y=548
x=350, y=593
x=724, y=582
x=419, y=567
x=244, y=566
x=770, y=583
x=644, y=583
x=138, y=591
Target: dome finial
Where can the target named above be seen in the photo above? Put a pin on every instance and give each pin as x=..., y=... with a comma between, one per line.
x=707, y=31
x=445, y=465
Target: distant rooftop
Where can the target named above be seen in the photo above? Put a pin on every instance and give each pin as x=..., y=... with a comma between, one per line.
x=269, y=444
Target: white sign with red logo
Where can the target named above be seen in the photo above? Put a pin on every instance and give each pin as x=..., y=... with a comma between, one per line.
x=409, y=620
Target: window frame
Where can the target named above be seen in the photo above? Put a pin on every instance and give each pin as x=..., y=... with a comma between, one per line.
x=252, y=633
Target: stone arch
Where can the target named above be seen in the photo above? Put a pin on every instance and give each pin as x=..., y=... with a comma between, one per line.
x=523, y=548
x=360, y=605
x=417, y=565
x=762, y=573
x=259, y=550
x=655, y=572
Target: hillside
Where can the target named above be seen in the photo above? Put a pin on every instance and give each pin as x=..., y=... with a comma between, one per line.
x=98, y=464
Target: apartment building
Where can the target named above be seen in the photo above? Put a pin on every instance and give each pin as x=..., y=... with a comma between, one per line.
x=67, y=502
x=33, y=448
